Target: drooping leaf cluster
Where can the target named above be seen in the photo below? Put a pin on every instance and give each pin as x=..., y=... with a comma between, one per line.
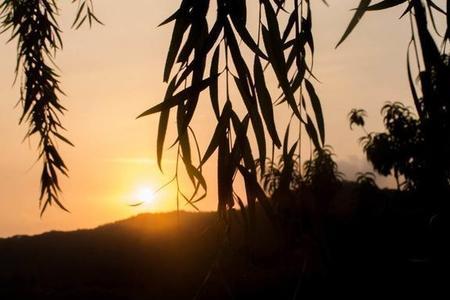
x=214, y=56
x=366, y=180
x=400, y=150
x=416, y=147
x=33, y=24
x=319, y=173
x=322, y=174
x=286, y=174
x=356, y=117
x=300, y=195
x=85, y=12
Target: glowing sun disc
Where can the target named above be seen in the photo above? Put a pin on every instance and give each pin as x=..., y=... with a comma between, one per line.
x=145, y=195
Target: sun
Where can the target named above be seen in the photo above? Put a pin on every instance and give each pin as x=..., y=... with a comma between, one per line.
x=145, y=195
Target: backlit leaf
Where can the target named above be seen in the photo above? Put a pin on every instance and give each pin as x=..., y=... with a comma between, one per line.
x=360, y=11
x=317, y=107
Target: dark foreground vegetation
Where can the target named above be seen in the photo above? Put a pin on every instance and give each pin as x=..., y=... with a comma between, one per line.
x=379, y=245
x=300, y=232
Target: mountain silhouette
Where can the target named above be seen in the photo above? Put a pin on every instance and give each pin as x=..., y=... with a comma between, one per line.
x=375, y=248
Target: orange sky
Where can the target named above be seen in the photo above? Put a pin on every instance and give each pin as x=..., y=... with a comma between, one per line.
x=112, y=73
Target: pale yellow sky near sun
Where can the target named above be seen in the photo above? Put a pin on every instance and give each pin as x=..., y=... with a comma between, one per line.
x=112, y=73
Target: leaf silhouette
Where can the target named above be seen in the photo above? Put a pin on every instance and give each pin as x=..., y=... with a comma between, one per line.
x=180, y=28
x=360, y=11
x=265, y=102
x=385, y=4
x=178, y=98
x=279, y=66
x=219, y=133
x=214, y=86
x=162, y=126
x=317, y=107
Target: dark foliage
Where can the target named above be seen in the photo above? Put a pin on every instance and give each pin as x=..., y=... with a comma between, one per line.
x=33, y=23
x=417, y=148
x=385, y=252
x=202, y=39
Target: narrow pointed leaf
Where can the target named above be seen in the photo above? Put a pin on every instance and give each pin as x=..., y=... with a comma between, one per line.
x=213, y=88
x=172, y=18
x=279, y=66
x=162, y=126
x=180, y=27
x=265, y=102
x=317, y=107
x=312, y=132
x=178, y=98
x=385, y=4
x=62, y=138
x=360, y=11
x=248, y=40
x=411, y=84
x=258, y=192
x=219, y=132
x=255, y=118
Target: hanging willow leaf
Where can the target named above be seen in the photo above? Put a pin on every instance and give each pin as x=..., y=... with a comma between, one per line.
x=411, y=83
x=385, y=4
x=214, y=86
x=179, y=97
x=238, y=15
x=240, y=25
x=237, y=11
x=224, y=176
x=248, y=40
x=307, y=29
x=265, y=102
x=243, y=210
x=408, y=9
x=162, y=126
x=62, y=138
x=290, y=25
x=192, y=40
x=242, y=148
x=252, y=182
x=184, y=145
x=219, y=133
x=33, y=23
x=85, y=12
x=238, y=59
x=177, y=14
x=286, y=140
x=181, y=25
x=198, y=59
x=280, y=4
x=312, y=133
x=430, y=51
x=252, y=108
x=279, y=66
x=198, y=175
x=317, y=107
x=360, y=11
x=431, y=4
x=77, y=18
x=448, y=20
x=197, y=76
x=297, y=53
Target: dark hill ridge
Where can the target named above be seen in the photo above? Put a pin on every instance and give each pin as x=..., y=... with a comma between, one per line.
x=151, y=256
x=376, y=245
x=145, y=255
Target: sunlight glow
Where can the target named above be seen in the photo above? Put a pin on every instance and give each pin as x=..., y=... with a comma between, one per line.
x=145, y=195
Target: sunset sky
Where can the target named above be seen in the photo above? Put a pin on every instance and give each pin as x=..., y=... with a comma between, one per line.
x=112, y=73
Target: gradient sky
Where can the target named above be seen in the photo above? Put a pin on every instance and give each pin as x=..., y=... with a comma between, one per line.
x=112, y=73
